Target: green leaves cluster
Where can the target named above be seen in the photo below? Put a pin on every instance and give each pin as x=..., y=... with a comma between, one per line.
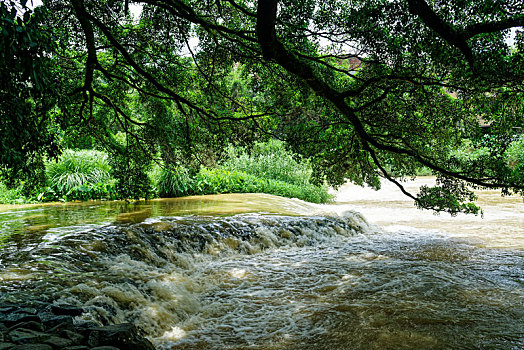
x=268, y=168
x=269, y=160
x=79, y=175
x=27, y=94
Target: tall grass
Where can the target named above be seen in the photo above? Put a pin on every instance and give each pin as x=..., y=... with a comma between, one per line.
x=173, y=182
x=269, y=160
x=78, y=170
x=209, y=181
x=268, y=168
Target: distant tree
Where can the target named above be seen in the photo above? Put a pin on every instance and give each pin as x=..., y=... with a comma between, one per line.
x=368, y=89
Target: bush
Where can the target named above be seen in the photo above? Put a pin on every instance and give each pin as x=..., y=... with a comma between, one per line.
x=79, y=175
x=515, y=157
x=177, y=183
x=11, y=195
x=224, y=181
x=173, y=182
x=269, y=160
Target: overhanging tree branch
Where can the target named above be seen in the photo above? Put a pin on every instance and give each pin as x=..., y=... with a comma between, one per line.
x=455, y=38
x=273, y=49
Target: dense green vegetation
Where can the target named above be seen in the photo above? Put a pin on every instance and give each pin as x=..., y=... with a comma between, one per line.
x=79, y=175
x=357, y=90
x=268, y=168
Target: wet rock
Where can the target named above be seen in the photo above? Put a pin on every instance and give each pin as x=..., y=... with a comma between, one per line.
x=66, y=310
x=32, y=347
x=75, y=337
x=27, y=336
x=14, y=318
x=93, y=339
x=62, y=321
x=58, y=342
x=6, y=309
x=42, y=326
x=32, y=325
x=26, y=310
x=124, y=336
x=87, y=324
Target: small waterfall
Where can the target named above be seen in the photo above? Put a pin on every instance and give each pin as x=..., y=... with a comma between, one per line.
x=191, y=278
x=145, y=273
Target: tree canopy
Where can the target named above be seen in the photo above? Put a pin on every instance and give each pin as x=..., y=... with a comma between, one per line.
x=366, y=89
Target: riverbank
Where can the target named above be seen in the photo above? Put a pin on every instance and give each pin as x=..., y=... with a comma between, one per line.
x=89, y=174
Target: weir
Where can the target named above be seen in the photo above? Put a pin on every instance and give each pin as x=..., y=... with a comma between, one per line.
x=266, y=281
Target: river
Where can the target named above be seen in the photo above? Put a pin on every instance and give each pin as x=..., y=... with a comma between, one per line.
x=263, y=272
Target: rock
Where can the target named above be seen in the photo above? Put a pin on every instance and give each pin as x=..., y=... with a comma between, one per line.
x=13, y=318
x=124, y=336
x=87, y=324
x=56, y=322
x=66, y=310
x=93, y=339
x=77, y=338
x=26, y=310
x=7, y=309
x=58, y=342
x=41, y=326
x=26, y=336
x=32, y=347
x=32, y=325
x=86, y=327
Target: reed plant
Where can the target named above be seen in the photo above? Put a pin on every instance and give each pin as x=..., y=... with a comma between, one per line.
x=85, y=174
x=210, y=181
x=173, y=182
x=269, y=160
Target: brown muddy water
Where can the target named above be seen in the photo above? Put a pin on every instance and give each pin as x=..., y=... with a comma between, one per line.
x=264, y=272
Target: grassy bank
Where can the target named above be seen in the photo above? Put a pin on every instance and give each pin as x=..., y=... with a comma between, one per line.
x=266, y=168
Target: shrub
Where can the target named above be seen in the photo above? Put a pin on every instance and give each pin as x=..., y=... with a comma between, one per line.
x=178, y=182
x=173, y=182
x=224, y=181
x=84, y=174
x=11, y=195
x=269, y=160
x=515, y=157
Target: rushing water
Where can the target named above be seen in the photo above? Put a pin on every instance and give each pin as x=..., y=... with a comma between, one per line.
x=262, y=272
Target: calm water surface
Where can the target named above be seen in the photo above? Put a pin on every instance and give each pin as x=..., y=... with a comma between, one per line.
x=262, y=272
